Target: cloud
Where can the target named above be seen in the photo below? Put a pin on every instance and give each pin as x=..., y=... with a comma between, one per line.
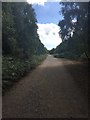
x=48, y=34
x=40, y=2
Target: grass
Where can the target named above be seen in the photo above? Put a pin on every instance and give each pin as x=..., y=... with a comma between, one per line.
x=71, y=55
x=13, y=69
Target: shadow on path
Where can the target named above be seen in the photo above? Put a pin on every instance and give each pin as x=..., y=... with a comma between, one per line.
x=49, y=91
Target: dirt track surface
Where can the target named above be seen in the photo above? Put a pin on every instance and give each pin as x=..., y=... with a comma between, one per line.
x=49, y=91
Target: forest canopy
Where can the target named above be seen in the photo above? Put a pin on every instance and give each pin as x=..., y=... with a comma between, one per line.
x=74, y=31
x=19, y=30
x=22, y=49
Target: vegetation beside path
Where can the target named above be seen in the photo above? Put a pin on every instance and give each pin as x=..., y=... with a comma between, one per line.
x=14, y=69
x=74, y=32
x=22, y=49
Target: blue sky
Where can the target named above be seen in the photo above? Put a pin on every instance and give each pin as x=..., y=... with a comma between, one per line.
x=48, y=13
x=48, y=17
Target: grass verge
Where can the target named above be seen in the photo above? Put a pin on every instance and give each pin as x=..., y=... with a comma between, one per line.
x=13, y=69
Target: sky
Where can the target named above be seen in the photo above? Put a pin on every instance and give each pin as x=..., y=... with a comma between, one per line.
x=47, y=15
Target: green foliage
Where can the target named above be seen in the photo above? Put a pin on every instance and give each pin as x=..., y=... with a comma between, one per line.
x=19, y=30
x=13, y=68
x=76, y=45
x=21, y=46
x=52, y=51
x=83, y=56
x=36, y=60
x=68, y=55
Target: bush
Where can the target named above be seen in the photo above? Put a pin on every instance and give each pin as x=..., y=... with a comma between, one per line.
x=59, y=55
x=83, y=57
x=13, y=69
x=69, y=55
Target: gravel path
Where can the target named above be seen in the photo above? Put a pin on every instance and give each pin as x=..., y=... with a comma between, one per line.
x=49, y=91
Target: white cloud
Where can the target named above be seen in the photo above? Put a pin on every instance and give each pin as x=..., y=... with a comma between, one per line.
x=48, y=34
x=40, y=2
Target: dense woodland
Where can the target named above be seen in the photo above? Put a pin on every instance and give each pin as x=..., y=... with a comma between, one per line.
x=22, y=49
x=20, y=38
x=74, y=46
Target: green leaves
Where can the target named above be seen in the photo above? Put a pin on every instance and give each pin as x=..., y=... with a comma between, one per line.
x=14, y=68
x=73, y=46
x=70, y=11
x=20, y=41
x=20, y=38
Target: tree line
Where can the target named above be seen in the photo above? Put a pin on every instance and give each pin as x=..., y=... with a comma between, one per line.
x=22, y=49
x=19, y=30
x=75, y=21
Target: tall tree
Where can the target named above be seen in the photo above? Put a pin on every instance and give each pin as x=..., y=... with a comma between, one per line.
x=8, y=31
x=20, y=36
x=74, y=27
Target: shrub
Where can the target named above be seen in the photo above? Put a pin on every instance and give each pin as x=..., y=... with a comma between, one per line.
x=69, y=55
x=13, y=69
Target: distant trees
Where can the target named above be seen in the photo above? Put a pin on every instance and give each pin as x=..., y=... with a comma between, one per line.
x=52, y=51
x=74, y=29
x=19, y=30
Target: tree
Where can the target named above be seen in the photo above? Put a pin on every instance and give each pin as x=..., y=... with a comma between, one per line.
x=76, y=22
x=8, y=31
x=19, y=33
